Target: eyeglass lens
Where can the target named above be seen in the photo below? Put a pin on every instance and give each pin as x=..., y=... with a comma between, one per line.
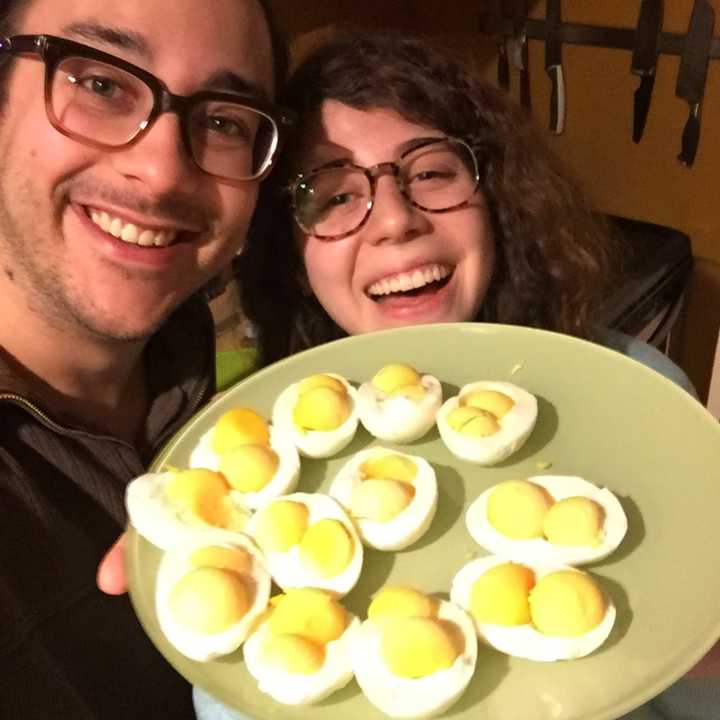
x=335, y=201
x=105, y=104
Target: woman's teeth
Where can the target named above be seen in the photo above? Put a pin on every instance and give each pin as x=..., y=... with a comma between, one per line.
x=403, y=282
x=130, y=233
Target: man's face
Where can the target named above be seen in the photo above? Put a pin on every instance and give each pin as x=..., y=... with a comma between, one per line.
x=61, y=201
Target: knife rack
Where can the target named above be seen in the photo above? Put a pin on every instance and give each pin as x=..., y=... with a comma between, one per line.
x=597, y=36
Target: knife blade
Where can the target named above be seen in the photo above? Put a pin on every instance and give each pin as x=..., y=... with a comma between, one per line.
x=644, y=60
x=693, y=73
x=553, y=65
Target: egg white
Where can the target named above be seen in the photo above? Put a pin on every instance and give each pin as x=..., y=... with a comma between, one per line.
x=161, y=522
x=412, y=697
x=515, y=426
x=284, y=480
x=287, y=569
x=524, y=641
x=175, y=564
x=396, y=418
x=314, y=443
x=291, y=689
x=409, y=525
x=539, y=549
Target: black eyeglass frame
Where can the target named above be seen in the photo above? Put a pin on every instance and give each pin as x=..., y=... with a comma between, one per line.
x=52, y=50
x=373, y=173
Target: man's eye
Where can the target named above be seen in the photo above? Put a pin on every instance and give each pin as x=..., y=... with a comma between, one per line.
x=105, y=87
x=227, y=126
x=339, y=199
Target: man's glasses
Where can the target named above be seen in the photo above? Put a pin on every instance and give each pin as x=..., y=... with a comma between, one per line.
x=335, y=200
x=105, y=102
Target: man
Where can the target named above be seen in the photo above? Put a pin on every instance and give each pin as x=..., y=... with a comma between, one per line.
x=133, y=135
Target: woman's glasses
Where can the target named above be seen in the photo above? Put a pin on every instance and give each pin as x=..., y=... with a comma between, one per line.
x=105, y=102
x=335, y=200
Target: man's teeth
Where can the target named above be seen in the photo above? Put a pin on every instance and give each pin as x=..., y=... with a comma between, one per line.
x=130, y=233
x=410, y=280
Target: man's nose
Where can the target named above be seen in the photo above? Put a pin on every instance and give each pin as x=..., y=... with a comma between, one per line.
x=160, y=159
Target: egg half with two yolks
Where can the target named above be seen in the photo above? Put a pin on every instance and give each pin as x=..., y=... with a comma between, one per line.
x=318, y=414
x=210, y=591
x=548, y=518
x=399, y=404
x=536, y=611
x=308, y=541
x=391, y=496
x=299, y=653
x=168, y=507
x=487, y=421
x=257, y=460
x=415, y=654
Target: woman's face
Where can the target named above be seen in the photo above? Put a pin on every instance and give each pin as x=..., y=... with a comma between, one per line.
x=403, y=266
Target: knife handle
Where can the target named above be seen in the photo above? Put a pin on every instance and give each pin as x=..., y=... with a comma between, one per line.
x=690, y=137
x=557, y=100
x=503, y=67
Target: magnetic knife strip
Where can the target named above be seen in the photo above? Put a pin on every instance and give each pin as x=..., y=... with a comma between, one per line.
x=607, y=37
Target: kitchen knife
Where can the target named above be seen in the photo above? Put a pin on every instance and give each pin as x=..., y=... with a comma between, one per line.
x=644, y=60
x=693, y=73
x=517, y=50
x=553, y=65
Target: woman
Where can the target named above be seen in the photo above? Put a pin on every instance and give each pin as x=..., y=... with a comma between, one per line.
x=512, y=240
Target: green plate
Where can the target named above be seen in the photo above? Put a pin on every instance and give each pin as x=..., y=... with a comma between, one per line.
x=601, y=416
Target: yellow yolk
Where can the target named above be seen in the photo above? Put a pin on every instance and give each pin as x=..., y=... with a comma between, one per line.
x=321, y=408
x=500, y=595
x=249, y=468
x=237, y=560
x=415, y=647
x=566, y=603
x=209, y=600
x=327, y=381
x=395, y=377
x=390, y=467
x=281, y=525
x=413, y=392
x=326, y=548
x=293, y=654
x=380, y=500
x=473, y=422
x=202, y=493
x=517, y=509
x=240, y=426
x=491, y=401
x=309, y=612
x=402, y=602
x=575, y=521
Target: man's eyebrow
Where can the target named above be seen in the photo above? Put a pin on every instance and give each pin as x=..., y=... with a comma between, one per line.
x=106, y=35
x=230, y=81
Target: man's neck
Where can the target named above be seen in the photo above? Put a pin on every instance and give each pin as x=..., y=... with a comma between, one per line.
x=98, y=382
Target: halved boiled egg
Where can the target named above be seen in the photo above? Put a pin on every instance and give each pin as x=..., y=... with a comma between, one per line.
x=548, y=518
x=319, y=414
x=415, y=655
x=399, y=404
x=210, y=591
x=535, y=611
x=391, y=496
x=166, y=507
x=487, y=421
x=299, y=654
x=258, y=461
x=308, y=541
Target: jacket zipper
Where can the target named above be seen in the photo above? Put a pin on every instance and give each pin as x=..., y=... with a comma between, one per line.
x=36, y=411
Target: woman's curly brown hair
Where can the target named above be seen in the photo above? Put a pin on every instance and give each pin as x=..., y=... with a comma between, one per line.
x=553, y=254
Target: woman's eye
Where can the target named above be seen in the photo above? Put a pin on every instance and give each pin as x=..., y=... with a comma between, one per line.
x=339, y=199
x=431, y=175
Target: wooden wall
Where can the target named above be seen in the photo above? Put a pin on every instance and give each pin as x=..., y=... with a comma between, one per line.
x=643, y=181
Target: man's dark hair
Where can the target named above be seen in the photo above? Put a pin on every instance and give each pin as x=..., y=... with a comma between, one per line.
x=11, y=10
